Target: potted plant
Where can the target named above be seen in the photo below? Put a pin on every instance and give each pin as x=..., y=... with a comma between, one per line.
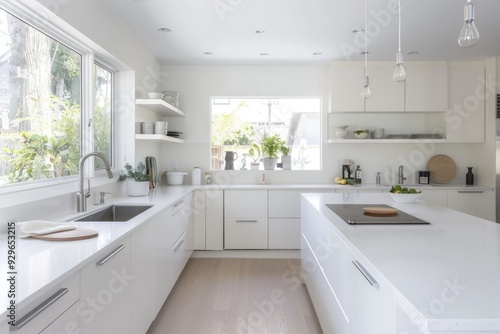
x=271, y=146
x=286, y=158
x=254, y=152
x=137, y=179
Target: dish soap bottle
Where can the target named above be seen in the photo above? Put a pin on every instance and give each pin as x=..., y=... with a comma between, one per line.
x=469, y=177
x=357, y=175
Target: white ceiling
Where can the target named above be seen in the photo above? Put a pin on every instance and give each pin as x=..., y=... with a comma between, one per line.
x=298, y=28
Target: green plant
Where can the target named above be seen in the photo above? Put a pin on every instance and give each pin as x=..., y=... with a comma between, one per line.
x=254, y=152
x=271, y=146
x=137, y=174
x=285, y=149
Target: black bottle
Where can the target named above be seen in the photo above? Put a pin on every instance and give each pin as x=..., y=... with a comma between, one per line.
x=357, y=175
x=469, y=177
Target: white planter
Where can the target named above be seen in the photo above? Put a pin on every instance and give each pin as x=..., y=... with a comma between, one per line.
x=269, y=164
x=254, y=165
x=137, y=188
x=286, y=161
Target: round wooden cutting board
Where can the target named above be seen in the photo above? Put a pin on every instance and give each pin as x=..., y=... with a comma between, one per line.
x=76, y=234
x=442, y=168
x=380, y=211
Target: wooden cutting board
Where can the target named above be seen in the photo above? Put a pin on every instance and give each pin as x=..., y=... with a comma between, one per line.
x=442, y=168
x=380, y=211
x=76, y=234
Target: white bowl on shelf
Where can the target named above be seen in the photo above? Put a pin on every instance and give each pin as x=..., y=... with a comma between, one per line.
x=405, y=198
x=341, y=133
x=154, y=95
x=361, y=134
x=342, y=127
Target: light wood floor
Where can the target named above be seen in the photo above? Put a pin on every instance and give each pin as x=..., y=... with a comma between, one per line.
x=238, y=296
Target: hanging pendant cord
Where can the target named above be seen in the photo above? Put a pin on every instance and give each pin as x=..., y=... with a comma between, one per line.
x=399, y=29
x=366, y=45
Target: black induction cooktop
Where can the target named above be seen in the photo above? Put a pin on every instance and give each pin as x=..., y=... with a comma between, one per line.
x=353, y=214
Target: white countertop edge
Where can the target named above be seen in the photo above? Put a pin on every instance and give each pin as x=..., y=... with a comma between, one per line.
x=365, y=186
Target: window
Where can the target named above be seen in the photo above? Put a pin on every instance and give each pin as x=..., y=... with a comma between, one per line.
x=41, y=117
x=240, y=124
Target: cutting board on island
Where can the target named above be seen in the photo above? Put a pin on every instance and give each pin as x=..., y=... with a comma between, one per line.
x=76, y=234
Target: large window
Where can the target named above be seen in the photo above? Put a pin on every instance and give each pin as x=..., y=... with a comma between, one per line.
x=239, y=126
x=41, y=116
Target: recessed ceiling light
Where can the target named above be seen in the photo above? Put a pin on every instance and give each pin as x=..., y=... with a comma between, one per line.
x=164, y=29
x=260, y=31
x=208, y=53
x=264, y=54
x=317, y=53
x=358, y=31
x=413, y=53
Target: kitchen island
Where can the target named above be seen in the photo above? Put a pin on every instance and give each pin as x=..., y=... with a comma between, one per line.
x=435, y=278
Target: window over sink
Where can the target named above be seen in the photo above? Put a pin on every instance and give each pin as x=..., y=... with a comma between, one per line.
x=44, y=126
x=241, y=124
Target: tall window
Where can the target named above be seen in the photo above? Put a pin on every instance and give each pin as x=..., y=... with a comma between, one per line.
x=40, y=105
x=240, y=124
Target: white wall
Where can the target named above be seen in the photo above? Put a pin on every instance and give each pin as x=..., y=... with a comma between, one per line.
x=198, y=83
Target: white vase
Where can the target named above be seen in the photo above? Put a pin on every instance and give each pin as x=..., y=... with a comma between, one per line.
x=254, y=165
x=269, y=164
x=137, y=188
x=286, y=161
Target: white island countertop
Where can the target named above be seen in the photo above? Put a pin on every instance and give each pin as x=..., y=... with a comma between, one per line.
x=445, y=276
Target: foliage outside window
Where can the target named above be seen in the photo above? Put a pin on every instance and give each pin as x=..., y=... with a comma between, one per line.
x=240, y=124
x=40, y=105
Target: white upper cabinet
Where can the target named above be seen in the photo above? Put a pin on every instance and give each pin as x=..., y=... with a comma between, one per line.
x=346, y=84
x=426, y=87
x=466, y=108
x=387, y=94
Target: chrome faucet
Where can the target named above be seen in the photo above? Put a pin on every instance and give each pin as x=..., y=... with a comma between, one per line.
x=81, y=196
x=401, y=177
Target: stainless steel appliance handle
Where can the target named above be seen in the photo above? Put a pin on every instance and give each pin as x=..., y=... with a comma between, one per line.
x=178, y=203
x=110, y=255
x=246, y=220
x=366, y=274
x=39, y=309
x=471, y=191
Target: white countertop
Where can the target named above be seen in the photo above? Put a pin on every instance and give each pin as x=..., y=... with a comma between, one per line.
x=447, y=273
x=43, y=264
x=363, y=186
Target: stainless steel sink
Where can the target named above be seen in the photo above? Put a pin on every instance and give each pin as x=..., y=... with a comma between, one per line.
x=115, y=213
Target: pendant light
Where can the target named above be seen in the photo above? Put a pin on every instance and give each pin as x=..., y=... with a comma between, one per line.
x=400, y=71
x=365, y=92
x=469, y=36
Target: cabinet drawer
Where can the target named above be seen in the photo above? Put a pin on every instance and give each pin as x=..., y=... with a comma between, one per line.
x=245, y=234
x=284, y=233
x=245, y=204
x=68, y=322
x=284, y=204
x=177, y=206
x=48, y=307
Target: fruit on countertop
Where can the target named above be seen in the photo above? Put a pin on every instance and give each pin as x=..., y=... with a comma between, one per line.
x=342, y=181
x=397, y=189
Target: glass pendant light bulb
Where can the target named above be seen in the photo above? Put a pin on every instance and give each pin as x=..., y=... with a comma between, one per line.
x=469, y=35
x=366, y=92
x=399, y=74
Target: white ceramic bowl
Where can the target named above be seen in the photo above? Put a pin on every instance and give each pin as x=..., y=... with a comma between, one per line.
x=153, y=95
x=405, y=198
x=341, y=133
x=175, y=178
x=342, y=127
x=361, y=135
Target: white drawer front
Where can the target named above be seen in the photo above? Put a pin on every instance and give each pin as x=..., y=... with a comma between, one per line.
x=245, y=204
x=245, y=234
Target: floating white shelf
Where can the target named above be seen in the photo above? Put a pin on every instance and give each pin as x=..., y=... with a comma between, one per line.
x=160, y=107
x=385, y=141
x=159, y=138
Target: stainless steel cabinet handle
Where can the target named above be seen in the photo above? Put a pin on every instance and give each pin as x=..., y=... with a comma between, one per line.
x=178, y=246
x=366, y=274
x=39, y=309
x=178, y=203
x=471, y=191
x=246, y=220
x=110, y=255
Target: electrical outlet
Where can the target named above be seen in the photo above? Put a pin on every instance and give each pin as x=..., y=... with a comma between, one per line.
x=174, y=165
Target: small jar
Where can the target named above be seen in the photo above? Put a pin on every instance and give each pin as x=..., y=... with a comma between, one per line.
x=196, y=176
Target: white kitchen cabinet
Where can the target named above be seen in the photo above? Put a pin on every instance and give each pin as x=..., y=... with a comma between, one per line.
x=245, y=219
x=479, y=203
x=56, y=303
x=199, y=219
x=387, y=94
x=68, y=322
x=466, y=107
x=284, y=219
x=105, y=291
x=183, y=246
x=143, y=251
x=214, y=219
x=372, y=309
x=426, y=87
x=345, y=91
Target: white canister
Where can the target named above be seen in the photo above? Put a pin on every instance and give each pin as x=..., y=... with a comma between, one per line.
x=161, y=127
x=196, y=176
x=148, y=128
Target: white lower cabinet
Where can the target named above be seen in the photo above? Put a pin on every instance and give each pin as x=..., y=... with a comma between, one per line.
x=55, y=310
x=479, y=203
x=284, y=233
x=105, y=291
